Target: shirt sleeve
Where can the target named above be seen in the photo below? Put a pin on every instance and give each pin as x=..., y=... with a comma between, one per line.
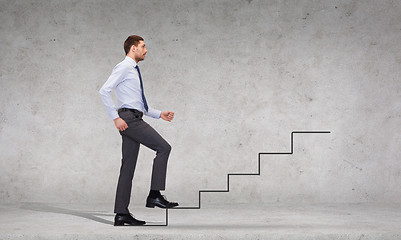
x=154, y=113
x=117, y=75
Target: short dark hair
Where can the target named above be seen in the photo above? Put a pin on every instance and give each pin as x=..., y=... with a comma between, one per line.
x=131, y=40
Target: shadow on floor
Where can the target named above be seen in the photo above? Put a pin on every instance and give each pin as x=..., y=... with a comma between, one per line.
x=42, y=207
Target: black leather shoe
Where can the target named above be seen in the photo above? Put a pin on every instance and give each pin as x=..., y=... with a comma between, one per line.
x=121, y=219
x=160, y=202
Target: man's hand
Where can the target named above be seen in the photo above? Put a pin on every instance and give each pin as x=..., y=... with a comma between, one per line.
x=167, y=115
x=121, y=125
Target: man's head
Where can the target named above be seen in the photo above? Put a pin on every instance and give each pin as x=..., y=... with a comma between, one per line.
x=135, y=48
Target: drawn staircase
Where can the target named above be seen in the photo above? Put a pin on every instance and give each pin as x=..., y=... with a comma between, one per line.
x=239, y=174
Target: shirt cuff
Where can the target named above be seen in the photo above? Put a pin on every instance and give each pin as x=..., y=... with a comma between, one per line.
x=113, y=114
x=153, y=113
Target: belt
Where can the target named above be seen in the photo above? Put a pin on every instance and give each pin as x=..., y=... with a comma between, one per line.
x=131, y=110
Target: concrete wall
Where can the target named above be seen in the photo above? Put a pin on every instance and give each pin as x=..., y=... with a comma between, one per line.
x=240, y=76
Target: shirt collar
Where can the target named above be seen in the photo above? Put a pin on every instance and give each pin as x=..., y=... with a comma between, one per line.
x=131, y=61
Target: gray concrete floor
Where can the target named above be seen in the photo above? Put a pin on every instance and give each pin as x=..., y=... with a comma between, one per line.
x=239, y=221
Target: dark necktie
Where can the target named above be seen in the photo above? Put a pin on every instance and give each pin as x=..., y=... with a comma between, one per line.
x=145, y=104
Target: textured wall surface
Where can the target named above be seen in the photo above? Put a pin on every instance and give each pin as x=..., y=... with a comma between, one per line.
x=240, y=76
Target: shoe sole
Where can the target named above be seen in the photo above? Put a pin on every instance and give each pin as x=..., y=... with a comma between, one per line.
x=148, y=205
x=121, y=224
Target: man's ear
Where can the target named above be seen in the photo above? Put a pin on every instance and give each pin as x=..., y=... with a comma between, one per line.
x=133, y=47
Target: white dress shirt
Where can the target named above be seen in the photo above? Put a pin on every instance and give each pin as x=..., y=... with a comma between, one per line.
x=124, y=79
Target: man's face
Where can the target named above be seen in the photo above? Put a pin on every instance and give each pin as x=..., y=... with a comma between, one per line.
x=140, y=51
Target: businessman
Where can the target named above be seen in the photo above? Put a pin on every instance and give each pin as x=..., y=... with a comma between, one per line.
x=126, y=81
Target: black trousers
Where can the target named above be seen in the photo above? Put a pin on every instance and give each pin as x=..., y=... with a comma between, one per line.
x=139, y=132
